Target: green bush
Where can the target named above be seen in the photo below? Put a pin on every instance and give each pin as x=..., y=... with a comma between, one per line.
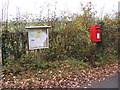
x=71, y=39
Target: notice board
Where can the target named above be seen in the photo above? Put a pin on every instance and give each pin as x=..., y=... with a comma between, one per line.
x=38, y=39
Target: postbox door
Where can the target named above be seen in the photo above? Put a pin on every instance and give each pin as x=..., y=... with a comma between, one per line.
x=95, y=33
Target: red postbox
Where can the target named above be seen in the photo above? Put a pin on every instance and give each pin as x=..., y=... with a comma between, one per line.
x=95, y=33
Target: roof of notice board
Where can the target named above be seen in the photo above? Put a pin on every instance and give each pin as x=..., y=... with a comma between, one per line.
x=37, y=27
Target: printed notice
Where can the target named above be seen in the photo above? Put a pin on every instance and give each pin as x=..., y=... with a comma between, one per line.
x=38, y=39
x=98, y=35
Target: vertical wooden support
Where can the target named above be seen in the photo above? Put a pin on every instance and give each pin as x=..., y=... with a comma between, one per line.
x=38, y=56
x=99, y=47
x=0, y=60
x=0, y=50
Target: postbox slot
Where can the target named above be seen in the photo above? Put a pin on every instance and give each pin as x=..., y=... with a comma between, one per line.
x=97, y=27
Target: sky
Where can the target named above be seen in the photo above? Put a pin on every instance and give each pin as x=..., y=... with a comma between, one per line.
x=73, y=6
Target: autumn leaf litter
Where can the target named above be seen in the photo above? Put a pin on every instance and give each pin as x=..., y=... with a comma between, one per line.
x=59, y=78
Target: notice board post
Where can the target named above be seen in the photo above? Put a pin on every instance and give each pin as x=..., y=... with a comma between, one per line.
x=38, y=38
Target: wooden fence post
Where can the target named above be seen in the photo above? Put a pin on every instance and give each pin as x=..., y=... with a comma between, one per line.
x=38, y=56
x=0, y=59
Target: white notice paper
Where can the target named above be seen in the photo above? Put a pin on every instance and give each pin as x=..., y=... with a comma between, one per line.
x=38, y=39
x=98, y=35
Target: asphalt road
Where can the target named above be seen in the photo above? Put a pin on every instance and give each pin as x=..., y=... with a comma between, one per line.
x=107, y=83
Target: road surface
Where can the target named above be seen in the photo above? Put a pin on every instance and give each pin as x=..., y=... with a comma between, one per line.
x=107, y=83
